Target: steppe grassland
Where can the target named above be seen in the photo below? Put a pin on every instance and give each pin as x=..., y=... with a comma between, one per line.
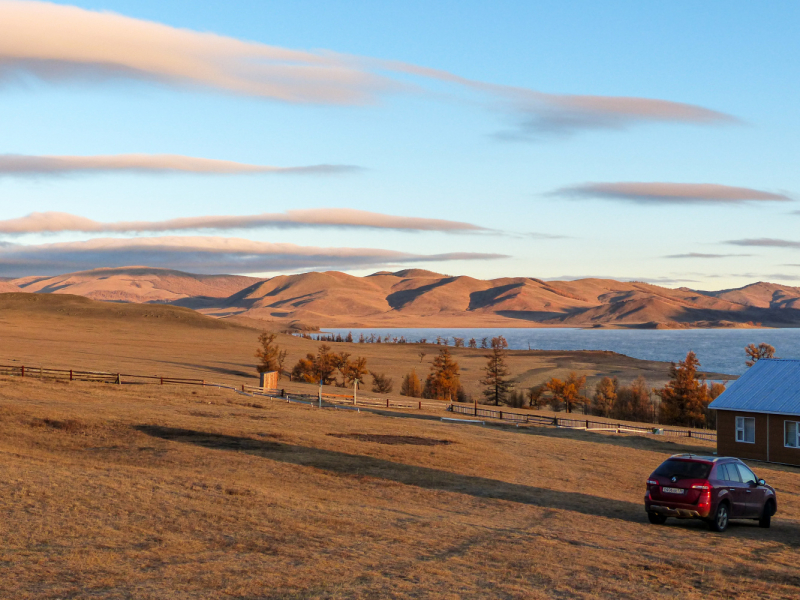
x=147, y=339
x=165, y=492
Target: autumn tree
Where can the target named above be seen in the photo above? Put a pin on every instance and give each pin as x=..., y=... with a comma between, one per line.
x=756, y=353
x=269, y=354
x=350, y=369
x=605, y=397
x=443, y=382
x=496, y=373
x=568, y=391
x=411, y=386
x=381, y=383
x=633, y=402
x=685, y=397
x=319, y=368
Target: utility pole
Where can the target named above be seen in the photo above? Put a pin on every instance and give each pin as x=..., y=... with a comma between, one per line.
x=320, y=393
x=355, y=392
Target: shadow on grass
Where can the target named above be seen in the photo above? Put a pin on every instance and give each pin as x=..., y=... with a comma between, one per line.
x=786, y=532
x=638, y=442
x=423, y=477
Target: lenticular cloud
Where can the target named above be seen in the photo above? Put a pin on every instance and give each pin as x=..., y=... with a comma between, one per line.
x=23, y=165
x=342, y=218
x=62, y=44
x=670, y=193
x=202, y=255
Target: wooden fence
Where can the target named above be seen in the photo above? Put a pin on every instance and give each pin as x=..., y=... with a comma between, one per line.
x=585, y=424
x=95, y=376
x=328, y=400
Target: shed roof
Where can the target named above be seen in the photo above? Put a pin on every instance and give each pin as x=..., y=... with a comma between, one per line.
x=772, y=385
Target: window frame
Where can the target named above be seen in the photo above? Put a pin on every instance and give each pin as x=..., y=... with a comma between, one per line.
x=743, y=430
x=796, y=432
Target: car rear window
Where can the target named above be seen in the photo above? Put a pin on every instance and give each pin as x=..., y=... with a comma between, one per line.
x=684, y=469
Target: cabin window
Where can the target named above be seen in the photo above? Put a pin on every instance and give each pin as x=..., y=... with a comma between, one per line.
x=792, y=434
x=746, y=430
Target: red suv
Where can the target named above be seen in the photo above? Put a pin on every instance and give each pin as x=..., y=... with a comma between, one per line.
x=687, y=486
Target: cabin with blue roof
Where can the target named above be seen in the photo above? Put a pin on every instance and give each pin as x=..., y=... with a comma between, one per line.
x=758, y=416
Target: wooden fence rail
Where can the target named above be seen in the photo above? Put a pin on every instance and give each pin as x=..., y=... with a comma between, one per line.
x=121, y=378
x=94, y=376
x=585, y=424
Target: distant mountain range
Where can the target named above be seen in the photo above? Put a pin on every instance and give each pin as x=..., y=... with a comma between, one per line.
x=418, y=298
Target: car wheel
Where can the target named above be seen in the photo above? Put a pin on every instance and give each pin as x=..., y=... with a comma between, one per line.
x=766, y=516
x=656, y=519
x=720, y=520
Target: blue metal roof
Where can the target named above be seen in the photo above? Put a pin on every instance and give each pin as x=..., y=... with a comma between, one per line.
x=772, y=385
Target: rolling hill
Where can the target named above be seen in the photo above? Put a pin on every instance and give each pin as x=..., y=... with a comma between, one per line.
x=136, y=284
x=419, y=298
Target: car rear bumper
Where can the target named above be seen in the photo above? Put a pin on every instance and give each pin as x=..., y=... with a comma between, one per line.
x=678, y=513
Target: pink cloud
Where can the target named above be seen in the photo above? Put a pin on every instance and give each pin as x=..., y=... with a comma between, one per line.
x=23, y=165
x=52, y=222
x=58, y=43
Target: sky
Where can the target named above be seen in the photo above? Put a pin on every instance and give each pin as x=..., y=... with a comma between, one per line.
x=638, y=141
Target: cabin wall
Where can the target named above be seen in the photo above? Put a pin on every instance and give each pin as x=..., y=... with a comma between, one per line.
x=726, y=436
x=778, y=452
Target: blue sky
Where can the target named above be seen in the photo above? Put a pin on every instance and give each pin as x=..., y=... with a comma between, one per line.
x=425, y=147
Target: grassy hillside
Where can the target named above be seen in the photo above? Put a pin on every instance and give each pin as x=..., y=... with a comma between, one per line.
x=149, y=492
x=62, y=331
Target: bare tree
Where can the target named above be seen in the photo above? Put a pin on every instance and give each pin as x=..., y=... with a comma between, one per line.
x=381, y=383
x=495, y=380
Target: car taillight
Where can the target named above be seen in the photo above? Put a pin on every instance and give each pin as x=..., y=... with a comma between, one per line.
x=705, y=496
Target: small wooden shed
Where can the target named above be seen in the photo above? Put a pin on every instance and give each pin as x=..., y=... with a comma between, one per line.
x=758, y=416
x=269, y=380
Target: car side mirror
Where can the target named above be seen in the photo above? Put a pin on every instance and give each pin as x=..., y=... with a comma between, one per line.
x=762, y=482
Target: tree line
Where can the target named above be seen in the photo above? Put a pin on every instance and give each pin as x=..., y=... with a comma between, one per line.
x=373, y=338
x=682, y=401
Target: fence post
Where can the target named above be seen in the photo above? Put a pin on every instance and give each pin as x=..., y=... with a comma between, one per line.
x=119, y=379
x=23, y=370
x=501, y=415
x=162, y=380
x=555, y=421
x=70, y=374
x=387, y=403
x=420, y=405
x=587, y=424
x=690, y=433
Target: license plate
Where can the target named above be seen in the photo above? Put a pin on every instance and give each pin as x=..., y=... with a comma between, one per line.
x=669, y=490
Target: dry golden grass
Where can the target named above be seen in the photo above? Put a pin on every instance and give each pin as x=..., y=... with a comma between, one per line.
x=165, y=492
x=64, y=332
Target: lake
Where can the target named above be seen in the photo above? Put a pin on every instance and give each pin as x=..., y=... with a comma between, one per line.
x=719, y=350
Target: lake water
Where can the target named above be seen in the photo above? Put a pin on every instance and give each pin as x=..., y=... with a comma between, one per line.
x=719, y=350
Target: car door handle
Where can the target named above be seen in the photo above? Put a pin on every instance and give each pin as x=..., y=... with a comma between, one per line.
x=731, y=489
